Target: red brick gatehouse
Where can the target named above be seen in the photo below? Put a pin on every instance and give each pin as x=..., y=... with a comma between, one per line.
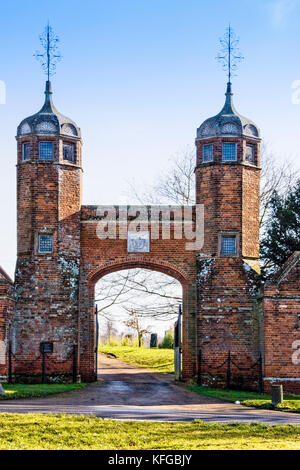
x=60, y=258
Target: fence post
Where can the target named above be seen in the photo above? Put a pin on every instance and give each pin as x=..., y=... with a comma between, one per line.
x=74, y=364
x=277, y=395
x=199, y=376
x=228, y=379
x=44, y=378
x=9, y=362
x=96, y=341
x=260, y=375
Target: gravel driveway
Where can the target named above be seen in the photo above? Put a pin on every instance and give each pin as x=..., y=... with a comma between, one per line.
x=130, y=392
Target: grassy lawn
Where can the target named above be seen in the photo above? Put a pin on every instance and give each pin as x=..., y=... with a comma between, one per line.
x=251, y=399
x=34, y=391
x=54, y=432
x=159, y=360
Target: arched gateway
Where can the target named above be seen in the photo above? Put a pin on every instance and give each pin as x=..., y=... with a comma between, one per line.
x=102, y=257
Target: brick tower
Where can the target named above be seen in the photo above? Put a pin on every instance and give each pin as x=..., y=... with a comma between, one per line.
x=48, y=224
x=227, y=183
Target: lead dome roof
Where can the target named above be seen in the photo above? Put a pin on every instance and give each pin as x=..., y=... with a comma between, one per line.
x=48, y=121
x=228, y=122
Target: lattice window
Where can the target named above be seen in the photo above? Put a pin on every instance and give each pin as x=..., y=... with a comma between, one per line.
x=250, y=154
x=69, y=152
x=207, y=153
x=45, y=243
x=26, y=151
x=228, y=246
x=46, y=151
x=229, y=152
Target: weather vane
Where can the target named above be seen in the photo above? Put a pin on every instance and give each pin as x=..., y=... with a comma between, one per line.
x=51, y=55
x=230, y=55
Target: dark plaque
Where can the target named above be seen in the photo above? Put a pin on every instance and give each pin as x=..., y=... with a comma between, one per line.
x=46, y=347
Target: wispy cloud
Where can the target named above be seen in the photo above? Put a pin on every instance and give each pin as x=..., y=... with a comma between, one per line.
x=280, y=12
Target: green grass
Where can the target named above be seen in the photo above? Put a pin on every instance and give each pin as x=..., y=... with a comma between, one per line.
x=35, y=391
x=67, y=432
x=290, y=404
x=251, y=399
x=159, y=360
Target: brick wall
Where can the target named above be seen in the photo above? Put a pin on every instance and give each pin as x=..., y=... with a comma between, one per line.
x=282, y=327
x=6, y=314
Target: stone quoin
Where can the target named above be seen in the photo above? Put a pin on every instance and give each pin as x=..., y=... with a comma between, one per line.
x=60, y=258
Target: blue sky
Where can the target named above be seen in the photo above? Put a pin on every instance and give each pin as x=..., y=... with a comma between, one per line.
x=139, y=77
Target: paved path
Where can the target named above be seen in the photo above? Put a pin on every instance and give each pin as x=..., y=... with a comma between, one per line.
x=129, y=392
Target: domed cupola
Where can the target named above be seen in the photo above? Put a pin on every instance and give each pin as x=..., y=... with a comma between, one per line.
x=48, y=121
x=228, y=123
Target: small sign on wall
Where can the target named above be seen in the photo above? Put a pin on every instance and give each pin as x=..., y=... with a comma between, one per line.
x=2, y=352
x=138, y=242
x=46, y=347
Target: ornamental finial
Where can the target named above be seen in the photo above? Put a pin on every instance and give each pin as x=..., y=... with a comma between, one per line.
x=230, y=55
x=51, y=55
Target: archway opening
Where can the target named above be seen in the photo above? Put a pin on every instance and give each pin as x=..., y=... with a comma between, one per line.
x=137, y=309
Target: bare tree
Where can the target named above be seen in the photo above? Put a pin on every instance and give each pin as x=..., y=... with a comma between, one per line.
x=110, y=331
x=175, y=186
x=113, y=291
x=109, y=328
x=276, y=175
x=148, y=292
x=134, y=323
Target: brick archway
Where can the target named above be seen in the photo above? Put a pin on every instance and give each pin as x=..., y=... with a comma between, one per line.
x=102, y=257
x=140, y=263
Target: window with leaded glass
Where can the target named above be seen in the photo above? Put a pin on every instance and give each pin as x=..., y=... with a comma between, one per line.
x=250, y=154
x=45, y=243
x=69, y=152
x=229, y=153
x=46, y=151
x=228, y=245
x=207, y=153
x=26, y=151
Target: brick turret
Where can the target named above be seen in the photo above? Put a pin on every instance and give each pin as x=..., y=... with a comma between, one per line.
x=48, y=217
x=227, y=183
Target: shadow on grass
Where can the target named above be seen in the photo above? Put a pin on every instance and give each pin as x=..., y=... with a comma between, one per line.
x=251, y=399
